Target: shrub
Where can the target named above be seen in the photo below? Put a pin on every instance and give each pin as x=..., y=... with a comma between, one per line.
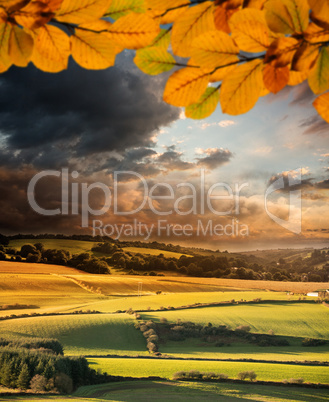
x=2, y=256
x=313, y=342
x=243, y=375
x=63, y=383
x=38, y=383
x=243, y=328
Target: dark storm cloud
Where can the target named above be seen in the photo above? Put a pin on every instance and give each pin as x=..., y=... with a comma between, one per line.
x=48, y=118
x=215, y=158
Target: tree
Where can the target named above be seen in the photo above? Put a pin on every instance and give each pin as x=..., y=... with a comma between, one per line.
x=38, y=383
x=23, y=380
x=244, y=49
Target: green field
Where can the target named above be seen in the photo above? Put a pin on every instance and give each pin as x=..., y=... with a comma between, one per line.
x=195, y=348
x=141, y=391
x=184, y=299
x=166, y=368
x=288, y=319
x=98, y=334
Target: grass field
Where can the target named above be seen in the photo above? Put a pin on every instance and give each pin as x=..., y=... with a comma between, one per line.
x=31, y=268
x=167, y=368
x=98, y=334
x=140, y=391
x=195, y=348
x=297, y=319
x=183, y=299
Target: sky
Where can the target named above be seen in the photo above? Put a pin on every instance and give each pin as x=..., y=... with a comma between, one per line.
x=95, y=123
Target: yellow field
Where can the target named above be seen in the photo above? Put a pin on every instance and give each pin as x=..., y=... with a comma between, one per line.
x=31, y=268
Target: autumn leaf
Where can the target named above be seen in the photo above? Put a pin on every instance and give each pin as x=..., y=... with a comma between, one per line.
x=305, y=57
x=299, y=13
x=315, y=34
x=166, y=11
x=163, y=39
x=51, y=49
x=119, y=8
x=281, y=51
x=154, y=60
x=92, y=50
x=241, y=89
x=320, y=12
x=20, y=46
x=80, y=11
x=258, y=4
x=192, y=23
x=205, y=106
x=278, y=18
x=5, y=61
x=34, y=15
x=275, y=78
x=185, y=86
x=222, y=17
x=319, y=76
x=321, y=104
x=249, y=30
x=134, y=31
x=220, y=73
x=213, y=49
x=297, y=77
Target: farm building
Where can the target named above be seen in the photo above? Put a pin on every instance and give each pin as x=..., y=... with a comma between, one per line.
x=319, y=293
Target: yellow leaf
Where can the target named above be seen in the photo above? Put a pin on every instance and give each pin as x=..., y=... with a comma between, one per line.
x=20, y=46
x=222, y=17
x=214, y=49
x=93, y=51
x=319, y=76
x=167, y=11
x=221, y=73
x=259, y=4
x=53, y=5
x=315, y=34
x=119, y=8
x=299, y=13
x=154, y=60
x=5, y=61
x=321, y=104
x=193, y=22
x=278, y=18
x=33, y=15
x=249, y=30
x=134, y=31
x=80, y=11
x=305, y=57
x=205, y=106
x=241, y=89
x=185, y=86
x=281, y=51
x=163, y=39
x=320, y=12
x=275, y=78
x=51, y=49
x=297, y=77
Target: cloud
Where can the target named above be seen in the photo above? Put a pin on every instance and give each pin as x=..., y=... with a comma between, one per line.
x=48, y=119
x=263, y=150
x=222, y=123
x=315, y=125
x=215, y=157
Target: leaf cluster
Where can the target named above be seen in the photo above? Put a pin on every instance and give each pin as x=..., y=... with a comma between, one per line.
x=223, y=51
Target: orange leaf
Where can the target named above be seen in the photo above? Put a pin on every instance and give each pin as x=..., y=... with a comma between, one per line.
x=321, y=104
x=249, y=30
x=305, y=57
x=213, y=49
x=259, y=4
x=297, y=77
x=192, y=23
x=320, y=12
x=34, y=15
x=281, y=51
x=315, y=34
x=51, y=49
x=185, y=86
x=134, y=31
x=159, y=9
x=275, y=78
x=5, y=61
x=241, y=89
x=20, y=46
x=80, y=11
x=222, y=17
